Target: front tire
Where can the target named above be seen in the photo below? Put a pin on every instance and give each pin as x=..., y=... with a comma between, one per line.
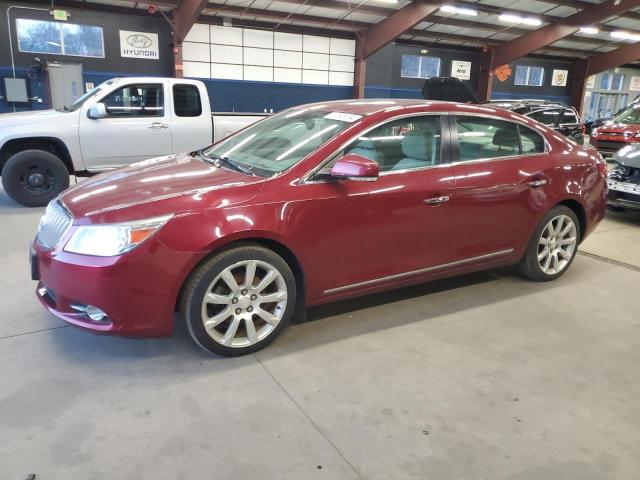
x=553, y=246
x=34, y=177
x=239, y=301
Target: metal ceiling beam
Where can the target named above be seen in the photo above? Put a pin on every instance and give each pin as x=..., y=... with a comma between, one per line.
x=385, y=32
x=185, y=15
x=615, y=58
x=534, y=40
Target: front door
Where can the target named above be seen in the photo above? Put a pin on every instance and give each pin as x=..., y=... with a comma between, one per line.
x=501, y=171
x=65, y=83
x=391, y=228
x=137, y=127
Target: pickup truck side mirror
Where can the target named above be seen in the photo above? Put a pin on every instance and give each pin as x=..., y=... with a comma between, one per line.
x=97, y=110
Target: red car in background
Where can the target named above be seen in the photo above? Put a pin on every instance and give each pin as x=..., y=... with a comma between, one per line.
x=617, y=133
x=317, y=203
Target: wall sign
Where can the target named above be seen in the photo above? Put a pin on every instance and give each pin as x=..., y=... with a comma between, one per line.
x=503, y=72
x=559, y=78
x=139, y=45
x=461, y=70
x=635, y=84
x=591, y=81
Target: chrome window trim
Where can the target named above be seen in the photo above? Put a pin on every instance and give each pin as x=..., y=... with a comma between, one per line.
x=417, y=272
x=305, y=180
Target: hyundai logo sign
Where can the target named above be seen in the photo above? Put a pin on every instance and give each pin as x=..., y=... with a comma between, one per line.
x=139, y=41
x=139, y=45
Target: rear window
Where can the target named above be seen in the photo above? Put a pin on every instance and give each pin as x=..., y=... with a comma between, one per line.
x=569, y=116
x=186, y=100
x=548, y=116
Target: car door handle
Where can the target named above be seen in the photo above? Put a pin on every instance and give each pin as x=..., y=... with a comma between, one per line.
x=436, y=200
x=538, y=183
x=158, y=126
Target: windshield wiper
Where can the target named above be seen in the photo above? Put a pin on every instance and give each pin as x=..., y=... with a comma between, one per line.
x=217, y=160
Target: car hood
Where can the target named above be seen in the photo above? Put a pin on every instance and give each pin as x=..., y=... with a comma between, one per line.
x=618, y=128
x=29, y=118
x=157, y=186
x=628, y=156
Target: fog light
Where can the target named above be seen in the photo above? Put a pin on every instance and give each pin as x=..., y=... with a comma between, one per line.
x=94, y=313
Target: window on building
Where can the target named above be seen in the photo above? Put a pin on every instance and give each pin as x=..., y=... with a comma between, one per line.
x=611, y=81
x=141, y=100
x=39, y=36
x=529, y=75
x=186, y=100
x=419, y=66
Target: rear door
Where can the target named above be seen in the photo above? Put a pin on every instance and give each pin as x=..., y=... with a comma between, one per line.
x=191, y=126
x=501, y=169
x=137, y=127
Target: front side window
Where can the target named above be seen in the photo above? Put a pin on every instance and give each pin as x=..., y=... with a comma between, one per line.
x=281, y=141
x=529, y=75
x=186, y=100
x=420, y=66
x=143, y=100
x=40, y=36
x=483, y=138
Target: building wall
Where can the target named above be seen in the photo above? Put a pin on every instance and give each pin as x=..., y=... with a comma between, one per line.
x=601, y=102
x=95, y=70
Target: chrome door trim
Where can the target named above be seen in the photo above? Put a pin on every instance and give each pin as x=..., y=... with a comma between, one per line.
x=417, y=272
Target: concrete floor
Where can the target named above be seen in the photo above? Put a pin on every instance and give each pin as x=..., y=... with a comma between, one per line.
x=486, y=376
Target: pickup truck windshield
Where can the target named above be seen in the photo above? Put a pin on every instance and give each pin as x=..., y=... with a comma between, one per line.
x=279, y=142
x=78, y=103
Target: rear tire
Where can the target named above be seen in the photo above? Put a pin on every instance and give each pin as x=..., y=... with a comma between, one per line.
x=34, y=177
x=239, y=301
x=553, y=246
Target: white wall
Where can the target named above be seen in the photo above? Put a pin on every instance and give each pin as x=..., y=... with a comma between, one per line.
x=212, y=51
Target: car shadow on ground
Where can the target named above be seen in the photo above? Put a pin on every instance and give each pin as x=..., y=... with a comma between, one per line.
x=329, y=323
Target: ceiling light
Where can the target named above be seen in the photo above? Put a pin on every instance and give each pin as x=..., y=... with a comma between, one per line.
x=387, y=1
x=460, y=10
x=625, y=35
x=589, y=30
x=507, y=17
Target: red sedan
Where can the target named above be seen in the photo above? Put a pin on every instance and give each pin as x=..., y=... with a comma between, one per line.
x=317, y=203
x=619, y=132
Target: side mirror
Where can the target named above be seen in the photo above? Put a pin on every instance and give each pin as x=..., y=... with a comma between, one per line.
x=356, y=167
x=97, y=110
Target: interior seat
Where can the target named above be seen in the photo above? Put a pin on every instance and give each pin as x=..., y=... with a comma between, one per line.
x=419, y=150
x=507, y=138
x=367, y=149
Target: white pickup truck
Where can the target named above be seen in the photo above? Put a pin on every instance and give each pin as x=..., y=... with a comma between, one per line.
x=123, y=120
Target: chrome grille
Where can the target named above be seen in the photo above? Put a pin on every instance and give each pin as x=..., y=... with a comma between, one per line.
x=53, y=224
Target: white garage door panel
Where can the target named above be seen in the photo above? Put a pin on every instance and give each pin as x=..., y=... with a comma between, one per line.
x=226, y=35
x=258, y=56
x=196, y=70
x=283, y=58
x=258, y=38
x=198, y=33
x=315, y=76
x=226, y=54
x=287, y=75
x=287, y=41
x=311, y=43
x=315, y=61
x=340, y=78
x=338, y=63
x=342, y=46
x=197, y=52
x=259, y=74
x=231, y=72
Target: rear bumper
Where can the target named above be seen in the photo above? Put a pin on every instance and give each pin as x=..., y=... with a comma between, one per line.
x=137, y=290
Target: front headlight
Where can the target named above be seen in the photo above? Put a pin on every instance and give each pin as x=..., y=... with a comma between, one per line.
x=113, y=239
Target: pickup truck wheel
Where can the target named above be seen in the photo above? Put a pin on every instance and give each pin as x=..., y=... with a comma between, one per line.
x=238, y=302
x=34, y=177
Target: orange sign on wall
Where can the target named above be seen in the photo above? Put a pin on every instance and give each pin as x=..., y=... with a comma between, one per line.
x=503, y=72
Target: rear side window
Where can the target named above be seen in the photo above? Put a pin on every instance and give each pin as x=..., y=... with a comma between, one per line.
x=532, y=142
x=481, y=138
x=140, y=100
x=569, y=116
x=186, y=100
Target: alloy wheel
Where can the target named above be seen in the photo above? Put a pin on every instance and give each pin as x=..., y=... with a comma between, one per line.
x=557, y=244
x=244, y=303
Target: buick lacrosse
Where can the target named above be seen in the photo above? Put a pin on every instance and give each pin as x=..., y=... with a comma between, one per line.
x=317, y=203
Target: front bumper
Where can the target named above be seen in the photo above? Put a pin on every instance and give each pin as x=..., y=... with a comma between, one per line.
x=624, y=195
x=137, y=290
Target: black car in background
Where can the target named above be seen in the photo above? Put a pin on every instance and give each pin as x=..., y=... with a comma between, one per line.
x=558, y=116
x=624, y=179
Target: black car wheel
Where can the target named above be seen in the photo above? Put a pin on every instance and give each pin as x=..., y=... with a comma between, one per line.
x=34, y=177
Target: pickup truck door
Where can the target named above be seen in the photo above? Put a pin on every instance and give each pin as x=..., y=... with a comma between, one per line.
x=137, y=127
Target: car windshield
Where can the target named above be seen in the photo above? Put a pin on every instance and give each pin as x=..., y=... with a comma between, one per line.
x=281, y=141
x=631, y=117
